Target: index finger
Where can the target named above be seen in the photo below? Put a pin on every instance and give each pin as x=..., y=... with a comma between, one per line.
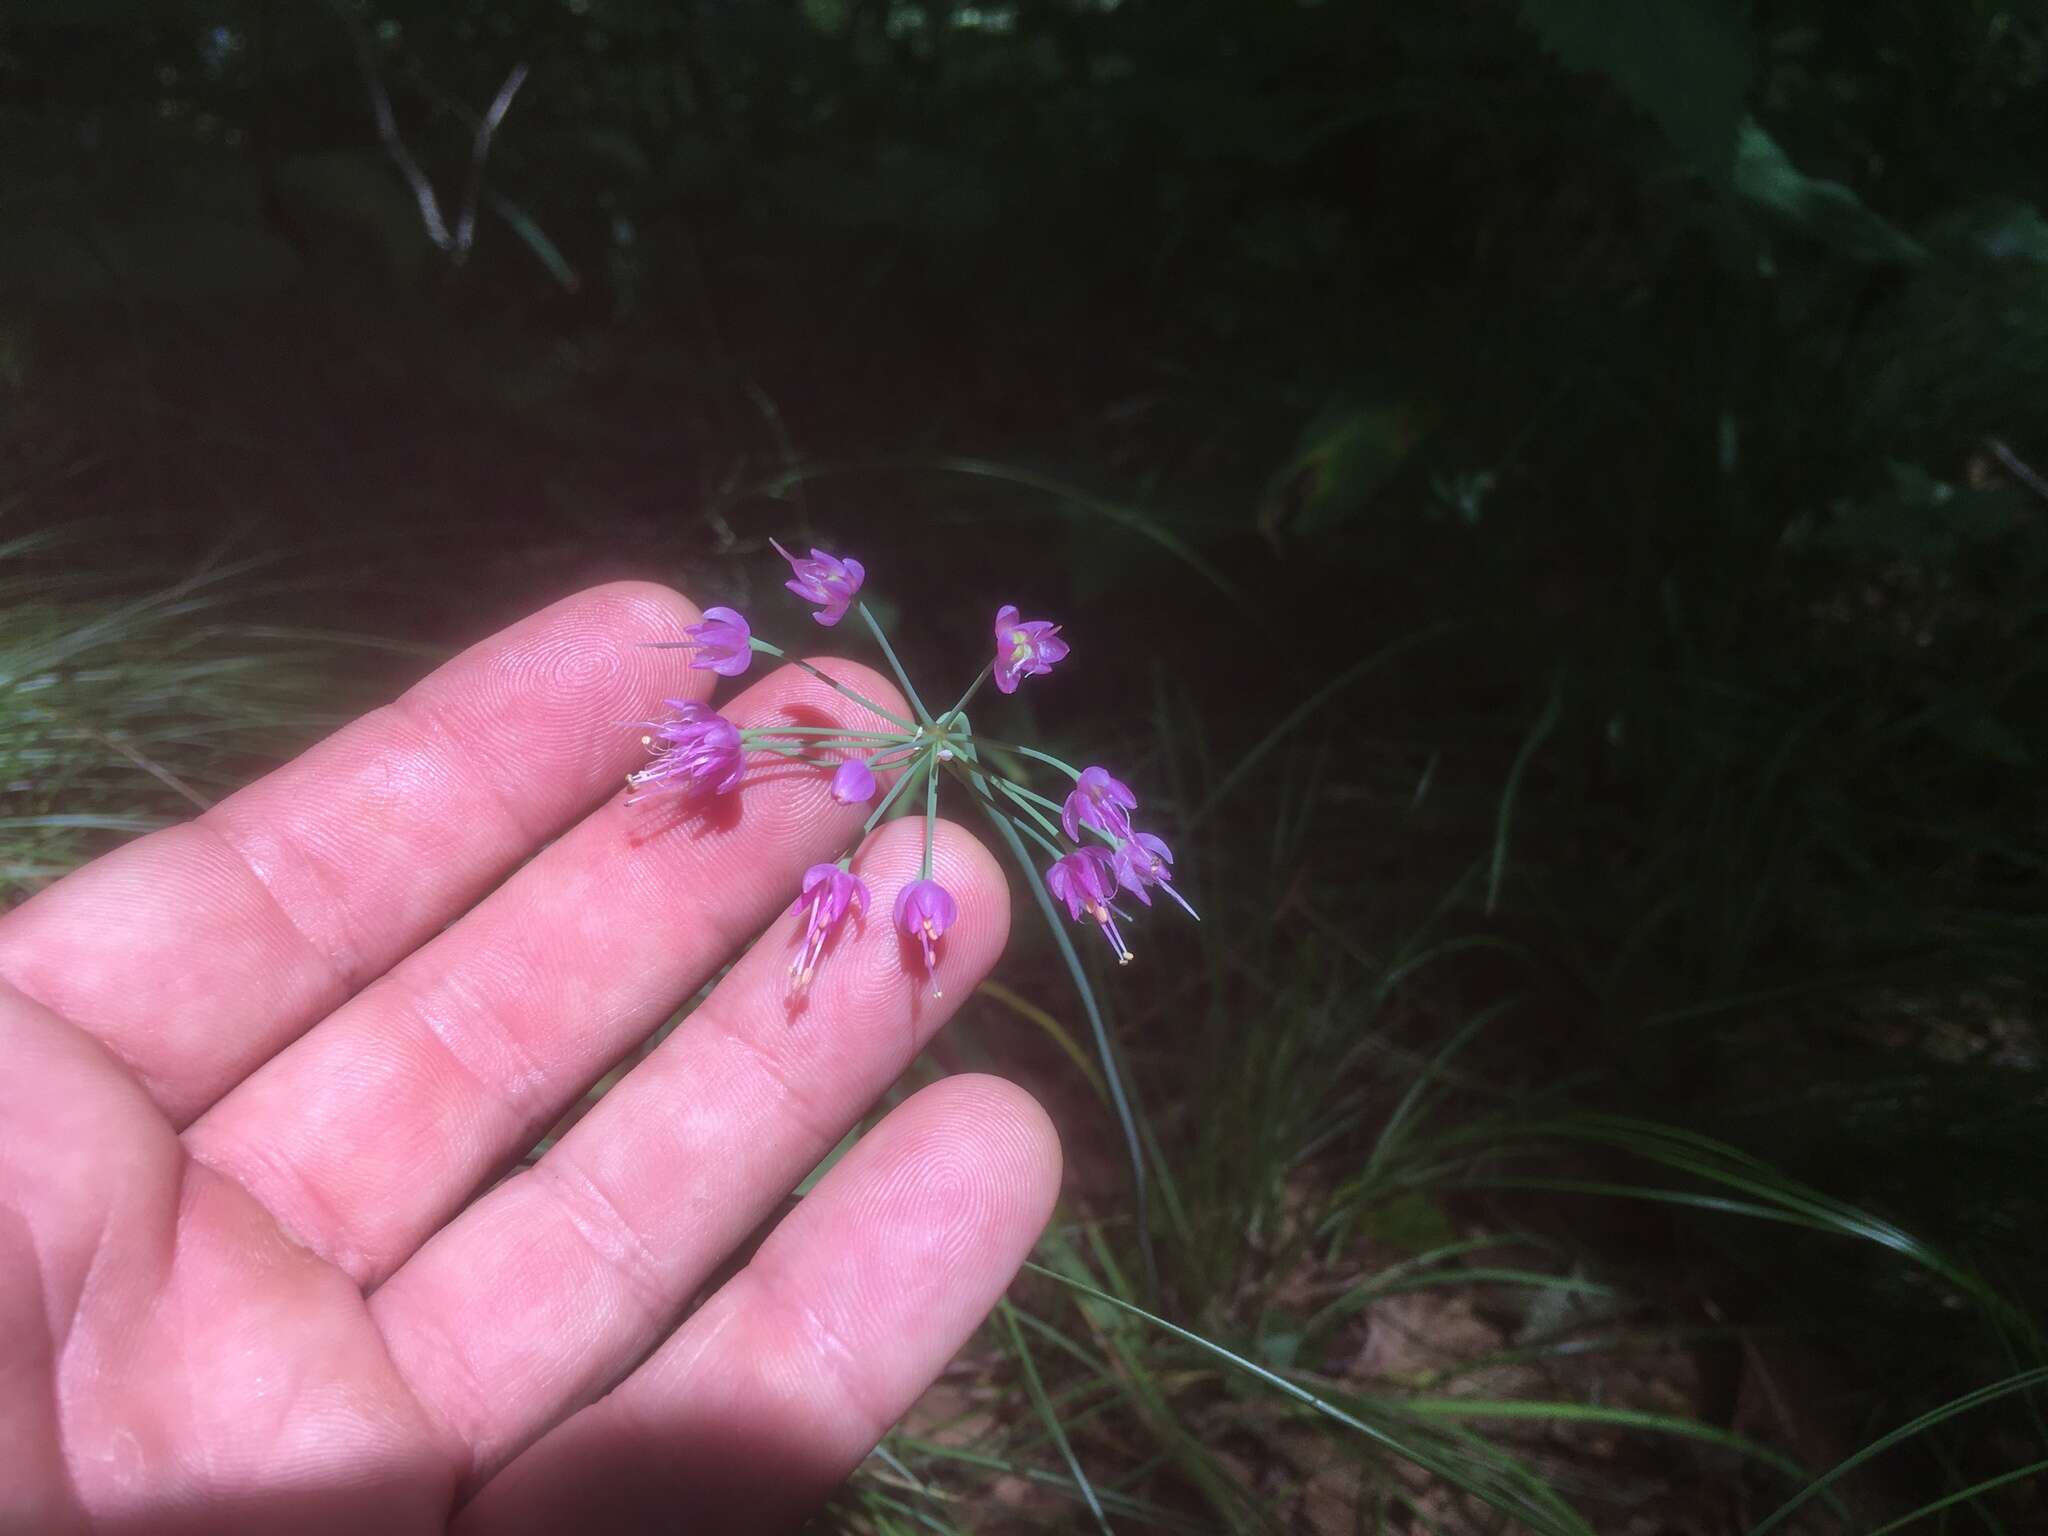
x=198, y=952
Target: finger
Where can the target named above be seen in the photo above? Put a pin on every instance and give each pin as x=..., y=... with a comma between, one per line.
x=198, y=952
x=748, y=1417
x=546, y=1291
x=374, y=1129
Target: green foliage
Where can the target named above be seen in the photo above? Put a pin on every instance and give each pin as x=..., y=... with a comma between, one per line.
x=1686, y=63
x=120, y=712
x=1825, y=210
x=1565, y=479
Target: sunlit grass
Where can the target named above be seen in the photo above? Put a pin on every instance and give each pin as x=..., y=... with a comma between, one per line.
x=129, y=699
x=1340, y=1118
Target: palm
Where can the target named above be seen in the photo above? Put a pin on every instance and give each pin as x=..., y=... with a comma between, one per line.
x=253, y=1087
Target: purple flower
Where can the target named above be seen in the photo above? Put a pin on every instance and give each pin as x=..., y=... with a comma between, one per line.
x=925, y=909
x=829, y=893
x=696, y=750
x=1086, y=880
x=1142, y=860
x=1101, y=801
x=826, y=580
x=853, y=783
x=722, y=643
x=1024, y=649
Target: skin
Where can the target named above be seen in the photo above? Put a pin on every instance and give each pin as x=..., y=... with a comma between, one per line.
x=262, y=1075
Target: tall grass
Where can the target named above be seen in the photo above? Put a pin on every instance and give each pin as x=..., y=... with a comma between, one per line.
x=1419, y=1273
x=128, y=698
x=1418, y=1270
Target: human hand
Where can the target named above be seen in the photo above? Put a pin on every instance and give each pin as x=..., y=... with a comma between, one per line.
x=251, y=1078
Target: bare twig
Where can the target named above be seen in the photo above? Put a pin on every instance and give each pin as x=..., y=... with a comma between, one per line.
x=2020, y=470
x=455, y=243
x=112, y=743
x=394, y=146
x=465, y=224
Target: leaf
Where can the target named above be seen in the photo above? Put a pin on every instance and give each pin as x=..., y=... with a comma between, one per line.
x=538, y=242
x=353, y=195
x=1999, y=229
x=1345, y=458
x=1411, y=1222
x=1685, y=63
x=1825, y=210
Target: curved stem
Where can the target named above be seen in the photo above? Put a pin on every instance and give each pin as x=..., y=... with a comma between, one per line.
x=1125, y=1119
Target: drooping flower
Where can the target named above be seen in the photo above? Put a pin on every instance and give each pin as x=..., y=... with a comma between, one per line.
x=925, y=909
x=827, y=580
x=1086, y=881
x=1024, y=648
x=1099, y=800
x=829, y=893
x=697, y=749
x=722, y=643
x=853, y=782
x=1142, y=860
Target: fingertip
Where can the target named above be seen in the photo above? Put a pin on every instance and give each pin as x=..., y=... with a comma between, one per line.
x=565, y=678
x=651, y=604
x=1019, y=1140
x=926, y=1220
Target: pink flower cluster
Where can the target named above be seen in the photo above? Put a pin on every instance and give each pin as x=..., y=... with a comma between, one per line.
x=1088, y=878
x=698, y=751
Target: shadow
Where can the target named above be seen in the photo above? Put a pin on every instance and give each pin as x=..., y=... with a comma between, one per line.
x=929, y=984
x=696, y=1466
x=659, y=816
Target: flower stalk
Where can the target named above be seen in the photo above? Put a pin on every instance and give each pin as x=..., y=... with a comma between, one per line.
x=1096, y=850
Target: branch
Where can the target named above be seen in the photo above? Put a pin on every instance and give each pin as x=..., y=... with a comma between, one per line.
x=454, y=244
x=465, y=225
x=394, y=146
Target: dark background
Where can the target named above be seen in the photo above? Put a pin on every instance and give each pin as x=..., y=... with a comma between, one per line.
x=1617, y=423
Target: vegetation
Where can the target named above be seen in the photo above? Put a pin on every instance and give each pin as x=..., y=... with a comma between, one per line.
x=1582, y=457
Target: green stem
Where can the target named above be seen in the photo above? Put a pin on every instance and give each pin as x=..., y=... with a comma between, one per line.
x=809, y=745
x=896, y=792
x=1031, y=810
x=1040, y=838
x=768, y=649
x=1044, y=757
x=866, y=703
x=902, y=677
x=1111, y=1074
x=819, y=730
x=1027, y=791
x=931, y=819
x=976, y=781
x=972, y=689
